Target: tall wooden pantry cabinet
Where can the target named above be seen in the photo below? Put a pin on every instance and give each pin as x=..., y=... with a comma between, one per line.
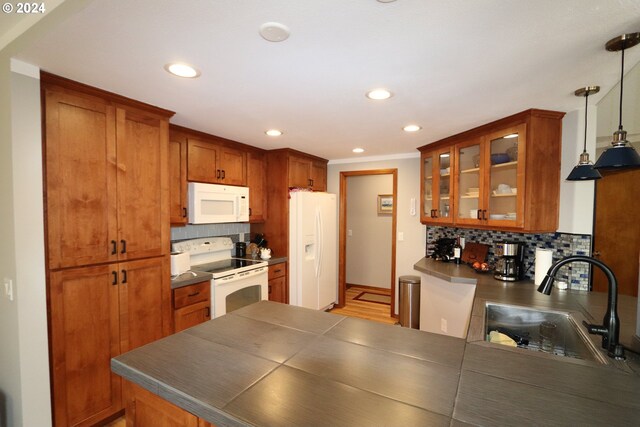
x=107, y=240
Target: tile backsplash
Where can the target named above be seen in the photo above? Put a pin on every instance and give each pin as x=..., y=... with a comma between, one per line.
x=237, y=231
x=562, y=244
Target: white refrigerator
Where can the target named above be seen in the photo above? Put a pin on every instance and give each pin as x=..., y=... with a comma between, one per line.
x=313, y=250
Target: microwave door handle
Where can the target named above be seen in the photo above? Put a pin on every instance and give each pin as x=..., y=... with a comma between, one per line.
x=236, y=206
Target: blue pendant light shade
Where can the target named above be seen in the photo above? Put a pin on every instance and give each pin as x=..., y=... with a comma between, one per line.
x=584, y=171
x=621, y=154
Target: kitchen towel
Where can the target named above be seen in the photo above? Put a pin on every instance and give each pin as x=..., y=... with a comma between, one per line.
x=544, y=259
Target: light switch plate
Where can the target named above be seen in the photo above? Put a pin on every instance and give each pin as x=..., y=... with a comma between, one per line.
x=8, y=288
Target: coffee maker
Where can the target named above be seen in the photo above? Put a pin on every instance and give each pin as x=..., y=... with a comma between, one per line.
x=510, y=264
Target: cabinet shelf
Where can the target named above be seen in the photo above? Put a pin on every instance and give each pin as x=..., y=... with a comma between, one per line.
x=472, y=170
x=505, y=165
x=469, y=197
x=504, y=195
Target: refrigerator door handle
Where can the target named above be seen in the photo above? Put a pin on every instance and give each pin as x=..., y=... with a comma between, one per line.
x=316, y=258
x=320, y=238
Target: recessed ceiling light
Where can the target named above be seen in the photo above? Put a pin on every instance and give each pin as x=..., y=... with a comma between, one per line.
x=511, y=135
x=358, y=150
x=378, y=94
x=411, y=128
x=274, y=32
x=274, y=132
x=182, y=70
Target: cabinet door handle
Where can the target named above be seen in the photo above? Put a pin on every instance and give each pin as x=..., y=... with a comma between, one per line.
x=277, y=271
x=312, y=183
x=478, y=214
x=194, y=294
x=269, y=289
x=223, y=174
x=249, y=211
x=124, y=246
x=218, y=173
x=114, y=247
x=115, y=277
x=124, y=276
x=207, y=312
x=184, y=212
x=484, y=214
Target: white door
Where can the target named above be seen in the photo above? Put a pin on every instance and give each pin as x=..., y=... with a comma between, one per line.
x=327, y=263
x=303, y=248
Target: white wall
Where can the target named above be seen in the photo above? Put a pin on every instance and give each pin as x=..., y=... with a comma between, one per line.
x=369, y=233
x=412, y=248
x=609, y=114
x=576, y=197
x=24, y=319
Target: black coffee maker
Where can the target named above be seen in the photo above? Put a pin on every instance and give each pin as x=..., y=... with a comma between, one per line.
x=510, y=263
x=443, y=249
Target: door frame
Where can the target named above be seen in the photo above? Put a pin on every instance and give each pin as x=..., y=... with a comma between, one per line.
x=342, y=246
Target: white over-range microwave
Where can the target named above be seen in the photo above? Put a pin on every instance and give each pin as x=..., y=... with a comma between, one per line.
x=213, y=203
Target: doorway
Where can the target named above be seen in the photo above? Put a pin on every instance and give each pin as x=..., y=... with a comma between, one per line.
x=384, y=205
x=616, y=234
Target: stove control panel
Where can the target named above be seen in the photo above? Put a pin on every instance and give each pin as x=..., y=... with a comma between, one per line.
x=203, y=246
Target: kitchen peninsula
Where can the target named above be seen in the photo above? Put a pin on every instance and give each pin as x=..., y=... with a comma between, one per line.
x=271, y=364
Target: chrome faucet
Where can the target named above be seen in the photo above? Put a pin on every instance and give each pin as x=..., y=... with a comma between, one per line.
x=610, y=328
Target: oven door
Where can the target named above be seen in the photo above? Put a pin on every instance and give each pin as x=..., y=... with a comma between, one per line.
x=238, y=290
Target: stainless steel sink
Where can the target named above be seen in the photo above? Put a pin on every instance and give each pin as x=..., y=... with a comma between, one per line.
x=553, y=332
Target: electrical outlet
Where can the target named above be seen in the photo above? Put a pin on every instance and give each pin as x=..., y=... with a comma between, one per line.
x=400, y=236
x=350, y=232
x=443, y=324
x=8, y=288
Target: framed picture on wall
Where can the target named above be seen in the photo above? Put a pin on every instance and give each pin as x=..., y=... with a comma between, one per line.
x=385, y=204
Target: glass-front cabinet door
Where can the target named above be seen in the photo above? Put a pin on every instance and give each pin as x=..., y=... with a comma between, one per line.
x=470, y=180
x=505, y=177
x=437, y=186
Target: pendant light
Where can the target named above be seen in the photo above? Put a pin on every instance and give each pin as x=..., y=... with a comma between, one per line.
x=584, y=170
x=621, y=154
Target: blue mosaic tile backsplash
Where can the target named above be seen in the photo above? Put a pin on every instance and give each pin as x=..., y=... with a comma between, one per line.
x=237, y=231
x=576, y=275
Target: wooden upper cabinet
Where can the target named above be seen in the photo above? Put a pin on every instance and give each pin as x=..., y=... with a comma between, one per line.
x=177, y=181
x=233, y=166
x=257, y=183
x=307, y=173
x=80, y=181
x=85, y=335
x=319, y=176
x=142, y=182
x=215, y=164
x=437, y=186
x=106, y=180
x=202, y=161
x=299, y=172
x=505, y=174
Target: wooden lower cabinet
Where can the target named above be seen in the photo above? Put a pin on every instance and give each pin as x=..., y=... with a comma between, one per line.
x=85, y=335
x=278, y=290
x=145, y=409
x=97, y=313
x=191, y=305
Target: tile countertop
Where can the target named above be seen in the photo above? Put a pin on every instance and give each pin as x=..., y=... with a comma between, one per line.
x=270, y=364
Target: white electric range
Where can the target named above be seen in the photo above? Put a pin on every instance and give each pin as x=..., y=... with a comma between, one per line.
x=236, y=281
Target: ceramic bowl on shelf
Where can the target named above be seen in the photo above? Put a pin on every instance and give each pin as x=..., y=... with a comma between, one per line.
x=499, y=158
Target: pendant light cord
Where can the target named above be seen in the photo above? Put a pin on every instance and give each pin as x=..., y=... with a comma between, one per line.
x=586, y=105
x=621, y=80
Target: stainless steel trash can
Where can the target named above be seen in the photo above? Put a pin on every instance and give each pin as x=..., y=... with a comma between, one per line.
x=409, y=304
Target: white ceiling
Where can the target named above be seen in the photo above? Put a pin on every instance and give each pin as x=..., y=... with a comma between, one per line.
x=451, y=64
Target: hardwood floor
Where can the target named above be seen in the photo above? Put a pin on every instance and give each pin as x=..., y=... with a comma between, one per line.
x=363, y=309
